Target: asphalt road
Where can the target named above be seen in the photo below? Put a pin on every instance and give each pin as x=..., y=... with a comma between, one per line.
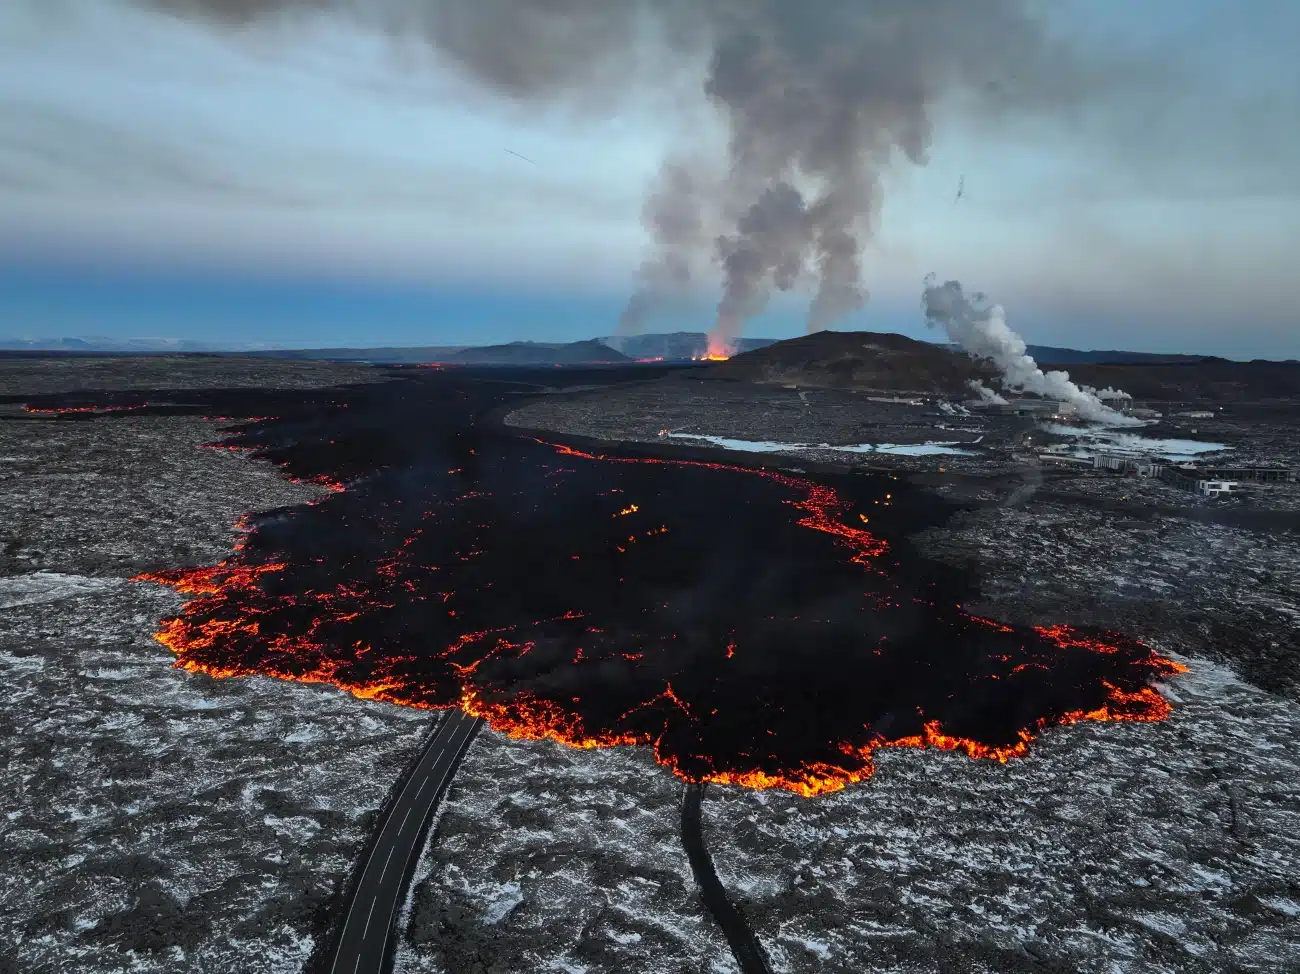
x=369, y=920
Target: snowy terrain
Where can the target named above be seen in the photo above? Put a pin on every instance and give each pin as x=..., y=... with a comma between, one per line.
x=156, y=820
x=160, y=821
x=1226, y=593
x=548, y=858
x=1116, y=848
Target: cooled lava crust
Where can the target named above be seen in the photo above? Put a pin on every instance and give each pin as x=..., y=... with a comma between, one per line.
x=752, y=627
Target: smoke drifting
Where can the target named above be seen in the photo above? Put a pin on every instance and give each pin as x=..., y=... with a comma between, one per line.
x=981, y=329
x=987, y=394
x=818, y=99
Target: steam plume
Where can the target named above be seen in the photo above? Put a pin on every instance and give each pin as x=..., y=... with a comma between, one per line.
x=818, y=98
x=987, y=394
x=981, y=329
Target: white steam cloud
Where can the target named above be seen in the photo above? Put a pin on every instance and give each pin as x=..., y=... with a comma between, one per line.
x=987, y=394
x=1107, y=393
x=981, y=330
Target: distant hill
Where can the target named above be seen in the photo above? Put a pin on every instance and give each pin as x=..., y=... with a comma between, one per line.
x=1051, y=355
x=1203, y=380
x=675, y=346
x=376, y=356
x=540, y=353
x=858, y=360
x=132, y=346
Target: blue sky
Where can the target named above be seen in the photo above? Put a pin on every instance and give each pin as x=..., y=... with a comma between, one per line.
x=159, y=178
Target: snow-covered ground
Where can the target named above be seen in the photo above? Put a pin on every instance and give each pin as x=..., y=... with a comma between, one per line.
x=547, y=858
x=153, y=820
x=1115, y=847
x=163, y=822
x=1170, y=847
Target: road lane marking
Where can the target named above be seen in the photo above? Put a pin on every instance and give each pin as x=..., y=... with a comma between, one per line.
x=373, y=901
x=443, y=728
x=451, y=766
x=386, y=862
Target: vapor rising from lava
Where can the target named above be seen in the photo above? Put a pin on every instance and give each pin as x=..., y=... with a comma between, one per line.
x=817, y=99
x=981, y=329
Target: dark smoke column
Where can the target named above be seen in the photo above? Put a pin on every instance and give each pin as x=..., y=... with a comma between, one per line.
x=818, y=98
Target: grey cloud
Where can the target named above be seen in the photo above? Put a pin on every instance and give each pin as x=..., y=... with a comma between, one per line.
x=819, y=98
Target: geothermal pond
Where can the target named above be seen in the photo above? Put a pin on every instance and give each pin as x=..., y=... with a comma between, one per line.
x=1089, y=441
x=749, y=626
x=926, y=449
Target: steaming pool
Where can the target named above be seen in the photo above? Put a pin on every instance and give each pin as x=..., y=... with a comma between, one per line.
x=1090, y=441
x=929, y=448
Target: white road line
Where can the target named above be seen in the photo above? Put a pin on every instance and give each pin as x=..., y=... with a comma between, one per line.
x=386, y=862
x=442, y=730
x=451, y=765
x=373, y=901
x=404, y=818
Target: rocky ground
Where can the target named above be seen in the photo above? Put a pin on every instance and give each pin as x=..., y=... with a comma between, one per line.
x=169, y=822
x=1162, y=847
x=157, y=820
x=547, y=858
x=1214, y=591
x=684, y=403
x=1166, y=847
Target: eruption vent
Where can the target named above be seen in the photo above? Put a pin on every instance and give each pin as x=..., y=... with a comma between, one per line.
x=981, y=329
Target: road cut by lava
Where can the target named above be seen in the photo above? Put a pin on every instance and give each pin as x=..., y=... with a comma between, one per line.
x=752, y=627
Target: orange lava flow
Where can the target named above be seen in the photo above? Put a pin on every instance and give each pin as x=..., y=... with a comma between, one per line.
x=233, y=602
x=79, y=410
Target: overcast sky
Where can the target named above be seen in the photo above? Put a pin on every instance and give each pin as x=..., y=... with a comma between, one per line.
x=337, y=186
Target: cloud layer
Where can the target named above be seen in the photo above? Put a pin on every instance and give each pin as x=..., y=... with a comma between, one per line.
x=782, y=153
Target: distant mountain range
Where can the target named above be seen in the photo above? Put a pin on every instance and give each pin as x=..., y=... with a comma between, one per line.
x=129, y=346
x=1051, y=355
x=540, y=353
x=671, y=347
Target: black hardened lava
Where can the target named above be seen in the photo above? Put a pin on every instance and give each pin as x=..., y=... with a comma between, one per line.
x=744, y=945
x=753, y=626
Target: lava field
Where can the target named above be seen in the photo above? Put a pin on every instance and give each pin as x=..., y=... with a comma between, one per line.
x=752, y=626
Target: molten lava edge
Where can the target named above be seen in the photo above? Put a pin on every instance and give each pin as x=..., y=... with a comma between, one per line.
x=733, y=620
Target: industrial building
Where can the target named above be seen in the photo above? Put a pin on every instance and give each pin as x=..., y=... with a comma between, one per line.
x=1207, y=481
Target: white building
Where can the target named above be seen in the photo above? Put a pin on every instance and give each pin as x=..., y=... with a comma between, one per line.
x=1107, y=461
x=1215, y=488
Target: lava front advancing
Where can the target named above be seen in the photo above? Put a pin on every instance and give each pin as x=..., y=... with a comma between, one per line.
x=742, y=623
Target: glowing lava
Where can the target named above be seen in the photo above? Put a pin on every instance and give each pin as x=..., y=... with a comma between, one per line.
x=746, y=690
x=750, y=627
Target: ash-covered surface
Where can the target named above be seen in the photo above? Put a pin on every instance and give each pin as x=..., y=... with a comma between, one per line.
x=1129, y=847
x=158, y=820
x=548, y=858
x=1217, y=578
x=686, y=402
x=1158, y=848
x=1211, y=590
x=32, y=376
